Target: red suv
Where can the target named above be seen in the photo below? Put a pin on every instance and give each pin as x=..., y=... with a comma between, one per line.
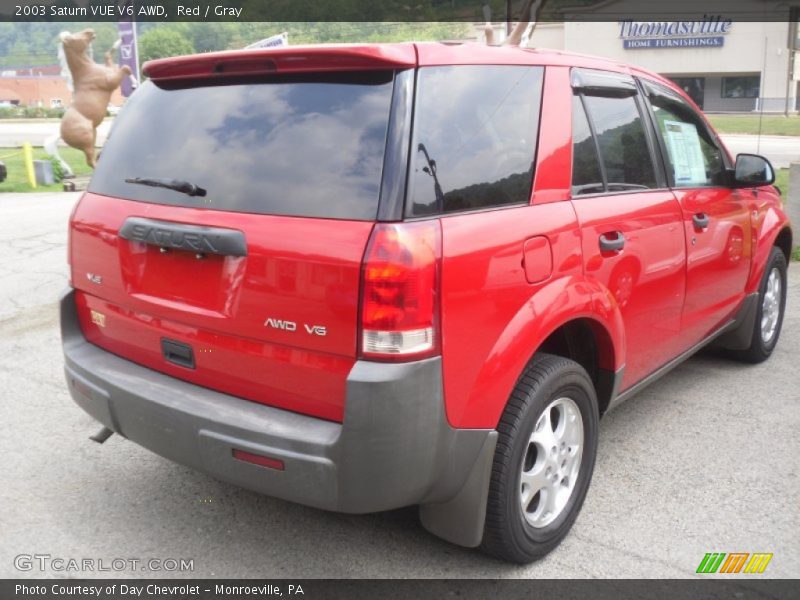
x=368, y=277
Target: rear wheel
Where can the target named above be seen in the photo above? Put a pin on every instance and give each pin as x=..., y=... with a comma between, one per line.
x=544, y=460
x=771, y=305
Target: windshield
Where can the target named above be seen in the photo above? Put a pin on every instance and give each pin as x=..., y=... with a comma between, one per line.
x=308, y=146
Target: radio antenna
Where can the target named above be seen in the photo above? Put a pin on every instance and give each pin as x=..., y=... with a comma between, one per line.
x=761, y=93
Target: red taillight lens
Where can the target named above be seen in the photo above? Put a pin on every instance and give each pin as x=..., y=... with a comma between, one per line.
x=400, y=297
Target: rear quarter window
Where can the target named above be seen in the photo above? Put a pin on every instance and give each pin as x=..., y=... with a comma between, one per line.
x=622, y=141
x=308, y=146
x=474, y=141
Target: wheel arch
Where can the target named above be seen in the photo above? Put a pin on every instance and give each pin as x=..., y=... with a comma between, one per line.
x=560, y=308
x=588, y=342
x=784, y=241
x=774, y=230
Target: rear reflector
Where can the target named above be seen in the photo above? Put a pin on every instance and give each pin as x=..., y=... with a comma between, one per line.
x=81, y=388
x=400, y=294
x=257, y=459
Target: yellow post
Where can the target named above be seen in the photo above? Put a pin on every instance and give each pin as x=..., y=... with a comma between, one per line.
x=27, y=153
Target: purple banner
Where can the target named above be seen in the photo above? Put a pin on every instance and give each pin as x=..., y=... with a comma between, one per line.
x=128, y=56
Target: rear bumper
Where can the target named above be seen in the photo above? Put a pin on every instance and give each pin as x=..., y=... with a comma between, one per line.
x=393, y=449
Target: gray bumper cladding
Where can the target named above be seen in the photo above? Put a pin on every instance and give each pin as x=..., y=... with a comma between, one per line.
x=393, y=449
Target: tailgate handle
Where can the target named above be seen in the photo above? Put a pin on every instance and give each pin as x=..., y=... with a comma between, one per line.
x=177, y=353
x=182, y=236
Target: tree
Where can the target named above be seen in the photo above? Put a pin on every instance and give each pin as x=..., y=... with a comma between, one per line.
x=106, y=36
x=161, y=42
x=207, y=36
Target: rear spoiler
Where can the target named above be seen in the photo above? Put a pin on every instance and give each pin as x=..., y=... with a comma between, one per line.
x=290, y=59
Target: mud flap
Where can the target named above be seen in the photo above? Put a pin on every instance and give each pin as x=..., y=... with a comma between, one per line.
x=740, y=336
x=460, y=520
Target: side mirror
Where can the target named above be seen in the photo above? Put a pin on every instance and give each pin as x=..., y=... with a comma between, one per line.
x=753, y=170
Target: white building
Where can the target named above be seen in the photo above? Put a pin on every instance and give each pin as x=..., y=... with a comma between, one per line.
x=723, y=63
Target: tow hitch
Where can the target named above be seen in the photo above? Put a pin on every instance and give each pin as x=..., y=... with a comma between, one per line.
x=102, y=435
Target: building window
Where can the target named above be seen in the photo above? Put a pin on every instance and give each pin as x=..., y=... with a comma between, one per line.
x=695, y=88
x=741, y=87
x=55, y=103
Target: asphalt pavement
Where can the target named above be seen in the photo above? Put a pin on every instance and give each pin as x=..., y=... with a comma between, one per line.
x=781, y=150
x=704, y=460
x=14, y=132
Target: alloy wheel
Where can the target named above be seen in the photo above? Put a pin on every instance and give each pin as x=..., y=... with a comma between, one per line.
x=551, y=463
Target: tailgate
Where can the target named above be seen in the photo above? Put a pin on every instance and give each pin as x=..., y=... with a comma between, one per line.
x=276, y=326
x=222, y=236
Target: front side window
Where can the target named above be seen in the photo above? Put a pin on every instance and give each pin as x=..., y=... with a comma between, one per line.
x=474, y=141
x=693, y=156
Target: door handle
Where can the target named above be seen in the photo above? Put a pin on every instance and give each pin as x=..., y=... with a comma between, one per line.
x=700, y=220
x=613, y=241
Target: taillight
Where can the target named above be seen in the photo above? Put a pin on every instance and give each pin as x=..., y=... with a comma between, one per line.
x=400, y=293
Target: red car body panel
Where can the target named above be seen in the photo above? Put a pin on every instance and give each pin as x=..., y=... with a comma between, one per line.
x=646, y=279
x=553, y=174
x=769, y=220
x=489, y=303
x=302, y=270
x=646, y=305
x=718, y=257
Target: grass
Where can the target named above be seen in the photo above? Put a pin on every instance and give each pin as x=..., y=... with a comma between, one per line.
x=782, y=181
x=17, y=180
x=749, y=124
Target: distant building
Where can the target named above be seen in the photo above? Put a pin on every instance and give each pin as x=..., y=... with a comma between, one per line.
x=30, y=70
x=38, y=86
x=723, y=64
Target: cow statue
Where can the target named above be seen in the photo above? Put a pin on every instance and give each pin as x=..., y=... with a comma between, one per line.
x=93, y=85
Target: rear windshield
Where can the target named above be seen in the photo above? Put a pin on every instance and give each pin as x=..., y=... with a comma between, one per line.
x=310, y=146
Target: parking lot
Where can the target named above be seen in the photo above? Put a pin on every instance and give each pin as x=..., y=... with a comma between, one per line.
x=705, y=460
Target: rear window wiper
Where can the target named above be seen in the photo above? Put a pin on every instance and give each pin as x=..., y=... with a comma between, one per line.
x=178, y=185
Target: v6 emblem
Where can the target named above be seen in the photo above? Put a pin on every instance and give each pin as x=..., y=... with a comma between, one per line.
x=316, y=330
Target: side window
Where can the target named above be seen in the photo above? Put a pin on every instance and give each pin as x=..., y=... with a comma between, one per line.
x=624, y=151
x=694, y=158
x=586, y=175
x=474, y=141
x=611, y=145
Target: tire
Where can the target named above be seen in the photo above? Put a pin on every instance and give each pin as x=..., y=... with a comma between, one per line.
x=771, y=303
x=522, y=536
